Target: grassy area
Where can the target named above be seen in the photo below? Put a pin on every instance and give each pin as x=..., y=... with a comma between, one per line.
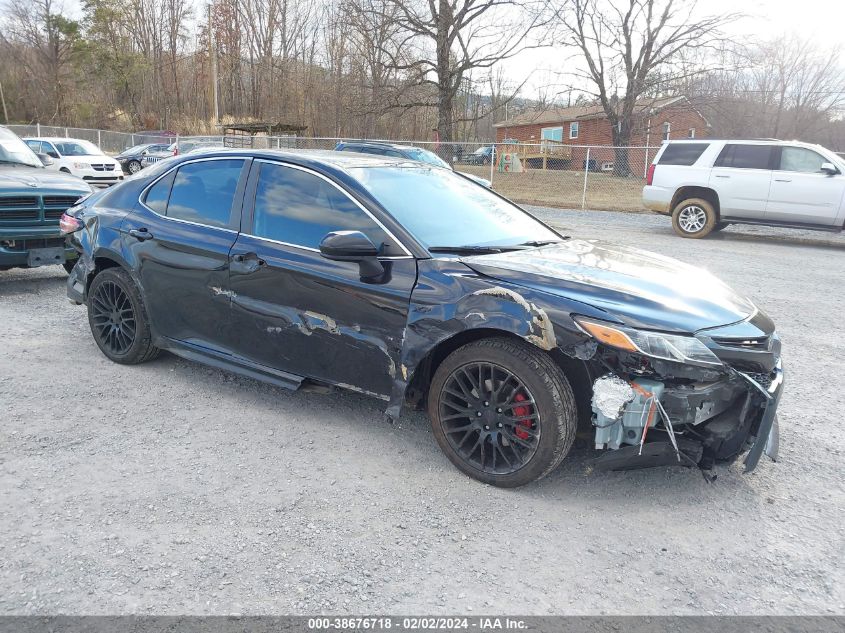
x=564, y=189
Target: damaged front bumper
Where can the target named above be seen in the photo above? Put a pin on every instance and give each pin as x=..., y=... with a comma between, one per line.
x=647, y=421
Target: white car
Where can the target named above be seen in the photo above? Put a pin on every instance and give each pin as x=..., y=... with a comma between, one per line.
x=78, y=158
x=706, y=185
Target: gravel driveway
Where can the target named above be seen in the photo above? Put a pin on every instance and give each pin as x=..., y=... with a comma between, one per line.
x=172, y=488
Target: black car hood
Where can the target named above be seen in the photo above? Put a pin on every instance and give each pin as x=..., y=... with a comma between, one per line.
x=37, y=179
x=639, y=288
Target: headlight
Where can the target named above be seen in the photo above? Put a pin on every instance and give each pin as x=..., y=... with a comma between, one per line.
x=81, y=166
x=680, y=349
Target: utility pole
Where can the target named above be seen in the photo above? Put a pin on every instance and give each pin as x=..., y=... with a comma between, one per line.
x=212, y=56
x=3, y=99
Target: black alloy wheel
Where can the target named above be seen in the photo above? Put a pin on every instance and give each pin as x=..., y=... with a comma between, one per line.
x=489, y=418
x=118, y=318
x=113, y=318
x=502, y=411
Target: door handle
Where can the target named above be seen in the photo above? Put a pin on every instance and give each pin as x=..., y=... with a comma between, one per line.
x=141, y=234
x=721, y=176
x=783, y=180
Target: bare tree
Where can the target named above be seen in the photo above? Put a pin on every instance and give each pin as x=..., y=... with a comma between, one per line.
x=624, y=45
x=450, y=39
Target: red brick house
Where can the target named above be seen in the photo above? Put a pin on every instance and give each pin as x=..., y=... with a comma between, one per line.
x=655, y=120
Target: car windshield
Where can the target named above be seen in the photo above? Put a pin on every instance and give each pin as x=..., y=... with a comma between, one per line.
x=13, y=151
x=77, y=148
x=481, y=150
x=425, y=156
x=442, y=209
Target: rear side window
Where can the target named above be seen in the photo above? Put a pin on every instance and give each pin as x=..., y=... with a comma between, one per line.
x=203, y=192
x=159, y=193
x=801, y=160
x=300, y=208
x=682, y=153
x=745, y=156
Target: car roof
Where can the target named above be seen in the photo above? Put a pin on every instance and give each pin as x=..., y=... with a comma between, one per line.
x=381, y=144
x=744, y=141
x=315, y=158
x=54, y=139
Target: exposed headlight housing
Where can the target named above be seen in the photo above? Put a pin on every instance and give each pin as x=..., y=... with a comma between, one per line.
x=81, y=166
x=671, y=347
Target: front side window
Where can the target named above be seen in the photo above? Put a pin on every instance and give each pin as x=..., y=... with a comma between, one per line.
x=745, y=156
x=801, y=160
x=573, y=129
x=35, y=146
x=301, y=208
x=204, y=192
x=443, y=209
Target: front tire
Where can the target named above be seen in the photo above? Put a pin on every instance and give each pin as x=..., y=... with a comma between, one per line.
x=502, y=411
x=694, y=218
x=118, y=318
x=133, y=167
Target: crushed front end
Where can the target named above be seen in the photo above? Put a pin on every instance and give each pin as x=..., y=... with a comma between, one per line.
x=697, y=400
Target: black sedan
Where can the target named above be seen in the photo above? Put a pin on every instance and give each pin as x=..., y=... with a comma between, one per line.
x=131, y=159
x=411, y=284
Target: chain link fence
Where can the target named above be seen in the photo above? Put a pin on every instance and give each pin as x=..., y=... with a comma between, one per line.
x=550, y=173
x=543, y=174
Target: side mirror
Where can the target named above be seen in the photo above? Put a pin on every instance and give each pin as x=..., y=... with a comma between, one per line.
x=45, y=159
x=145, y=152
x=352, y=246
x=53, y=154
x=829, y=169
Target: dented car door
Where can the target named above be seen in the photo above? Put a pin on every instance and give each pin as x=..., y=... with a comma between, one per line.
x=297, y=311
x=179, y=237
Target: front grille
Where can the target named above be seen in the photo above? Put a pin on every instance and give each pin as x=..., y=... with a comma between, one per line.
x=60, y=201
x=18, y=201
x=764, y=380
x=102, y=166
x=758, y=344
x=15, y=210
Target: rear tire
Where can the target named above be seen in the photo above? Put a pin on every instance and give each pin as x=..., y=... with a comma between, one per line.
x=504, y=431
x=133, y=167
x=694, y=218
x=118, y=318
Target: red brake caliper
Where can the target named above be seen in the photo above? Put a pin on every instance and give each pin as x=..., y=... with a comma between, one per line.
x=525, y=409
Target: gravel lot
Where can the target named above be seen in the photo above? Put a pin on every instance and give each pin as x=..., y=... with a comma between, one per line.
x=172, y=488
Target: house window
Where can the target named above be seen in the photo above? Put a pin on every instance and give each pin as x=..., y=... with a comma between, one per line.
x=691, y=133
x=573, y=129
x=667, y=128
x=552, y=134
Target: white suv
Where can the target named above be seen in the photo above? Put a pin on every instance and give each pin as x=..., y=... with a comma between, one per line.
x=705, y=185
x=78, y=158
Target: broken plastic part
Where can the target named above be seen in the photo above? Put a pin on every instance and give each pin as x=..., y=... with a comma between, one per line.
x=610, y=395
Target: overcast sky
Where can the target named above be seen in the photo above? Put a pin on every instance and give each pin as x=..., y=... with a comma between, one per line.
x=823, y=20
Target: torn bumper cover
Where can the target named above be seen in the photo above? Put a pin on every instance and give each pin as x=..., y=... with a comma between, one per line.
x=651, y=422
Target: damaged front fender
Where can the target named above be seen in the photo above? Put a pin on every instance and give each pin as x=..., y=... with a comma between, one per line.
x=450, y=299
